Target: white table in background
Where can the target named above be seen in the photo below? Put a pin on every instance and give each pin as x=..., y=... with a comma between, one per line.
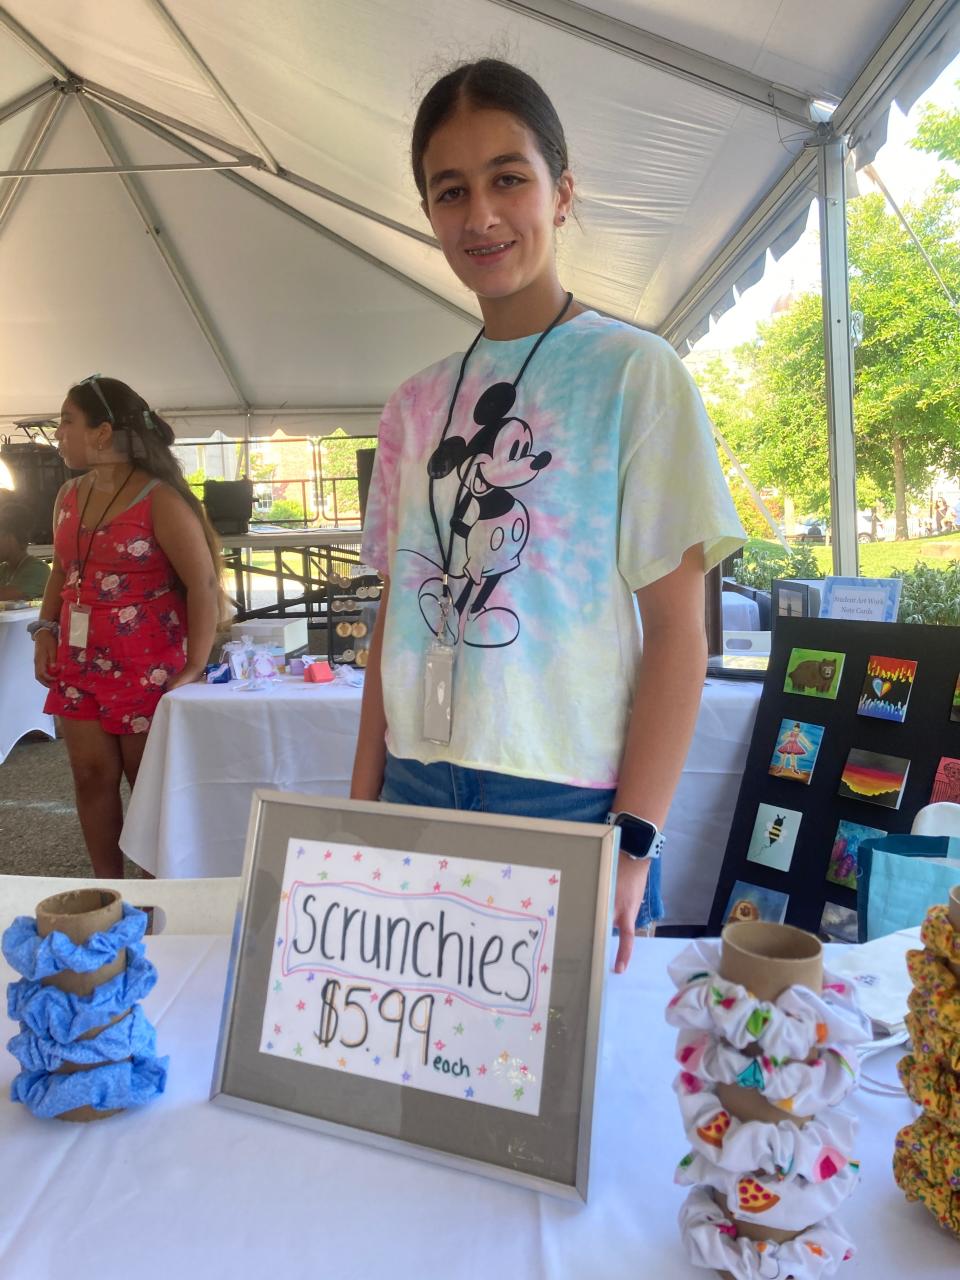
x=21, y=696
x=740, y=613
x=184, y=1188
x=211, y=745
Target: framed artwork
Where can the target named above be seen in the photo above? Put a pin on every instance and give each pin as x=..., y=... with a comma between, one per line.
x=423, y=980
x=874, y=778
x=753, y=902
x=946, y=785
x=842, y=867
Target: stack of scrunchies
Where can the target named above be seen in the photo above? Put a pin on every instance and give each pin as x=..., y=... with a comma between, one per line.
x=785, y=1175
x=118, y=1066
x=926, y=1158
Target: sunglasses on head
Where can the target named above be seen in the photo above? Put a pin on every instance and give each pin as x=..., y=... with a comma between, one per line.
x=92, y=382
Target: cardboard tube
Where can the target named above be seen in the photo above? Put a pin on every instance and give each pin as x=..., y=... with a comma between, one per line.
x=953, y=912
x=766, y=959
x=80, y=913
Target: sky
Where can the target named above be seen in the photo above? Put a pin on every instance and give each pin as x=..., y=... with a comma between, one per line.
x=906, y=173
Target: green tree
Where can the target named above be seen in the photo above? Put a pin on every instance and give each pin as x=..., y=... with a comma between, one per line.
x=907, y=371
x=938, y=133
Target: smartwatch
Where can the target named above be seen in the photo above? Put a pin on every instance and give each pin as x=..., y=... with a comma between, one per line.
x=639, y=839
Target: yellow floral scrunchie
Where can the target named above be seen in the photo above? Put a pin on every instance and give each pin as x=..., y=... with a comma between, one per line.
x=939, y=936
x=926, y=1166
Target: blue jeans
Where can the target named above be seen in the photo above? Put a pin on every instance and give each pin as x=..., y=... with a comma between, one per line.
x=448, y=786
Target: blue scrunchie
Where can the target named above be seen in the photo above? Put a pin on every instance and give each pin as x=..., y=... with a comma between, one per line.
x=112, y=1087
x=133, y=1037
x=63, y=1017
x=36, y=957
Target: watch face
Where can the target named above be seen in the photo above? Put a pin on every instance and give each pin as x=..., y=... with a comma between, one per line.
x=636, y=836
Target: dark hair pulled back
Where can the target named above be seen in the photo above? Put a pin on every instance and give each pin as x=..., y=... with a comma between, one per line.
x=145, y=438
x=493, y=85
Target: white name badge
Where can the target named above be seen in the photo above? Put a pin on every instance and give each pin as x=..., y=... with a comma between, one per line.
x=438, y=694
x=79, y=628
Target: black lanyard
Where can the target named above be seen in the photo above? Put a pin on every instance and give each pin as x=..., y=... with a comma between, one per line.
x=83, y=563
x=501, y=394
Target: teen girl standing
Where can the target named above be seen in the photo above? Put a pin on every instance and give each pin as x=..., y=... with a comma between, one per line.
x=521, y=494
x=133, y=601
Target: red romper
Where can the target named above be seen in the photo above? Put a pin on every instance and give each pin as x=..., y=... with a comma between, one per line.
x=136, y=641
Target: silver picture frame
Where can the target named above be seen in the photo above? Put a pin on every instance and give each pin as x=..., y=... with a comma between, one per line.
x=547, y=1152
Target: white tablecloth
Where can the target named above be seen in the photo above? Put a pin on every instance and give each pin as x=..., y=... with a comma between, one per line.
x=21, y=696
x=187, y=1189
x=210, y=745
x=740, y=613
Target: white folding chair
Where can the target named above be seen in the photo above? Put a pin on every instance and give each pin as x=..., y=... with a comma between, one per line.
x=179, y=906
x=940, y=819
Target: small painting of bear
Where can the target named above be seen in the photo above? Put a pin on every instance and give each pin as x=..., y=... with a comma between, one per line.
x=813, y=674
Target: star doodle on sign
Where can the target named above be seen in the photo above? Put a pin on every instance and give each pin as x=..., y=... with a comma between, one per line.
x=323, y=875
x=443, y=864
x=505, y=873
x=498, y=1022
x=376, y=875
x=279, y=942
x=436, y=886
x=536, y=1028
x=328, y=855
x=525, y=903
x=504, y=1057
x=358, y=856
x=554, y=879
x=466, y=880
x=405, y=885
x=301, y=1006
x=341, y=1062
x=277, y=1028
x=439, y=1045
x=524, y=1071
x=551, y=911
x=376, y=1061
x=278, y=985
x=405, y=1077
x=311, y=976
x=301, y=851
x=448, y=999
x=544, y=968
x=518, y=1093
x=269, y=1044
x=298, y=1049
x=406, y=862
x=458, y=1029
x=468, y=1092
x=490, y=900
x=481, y=1070
x=284, y=896
x=374, y=997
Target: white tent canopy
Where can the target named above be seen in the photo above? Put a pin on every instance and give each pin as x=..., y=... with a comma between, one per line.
x=299, y=286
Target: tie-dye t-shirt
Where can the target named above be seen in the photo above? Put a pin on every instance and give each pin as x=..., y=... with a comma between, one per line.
x=593, y=484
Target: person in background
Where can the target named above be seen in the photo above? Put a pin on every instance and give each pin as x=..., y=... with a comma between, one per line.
x=132, y=604
x=22, y=576
x=940, y=512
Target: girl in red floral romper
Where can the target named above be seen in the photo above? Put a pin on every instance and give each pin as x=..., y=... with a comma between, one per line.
x=133, y=601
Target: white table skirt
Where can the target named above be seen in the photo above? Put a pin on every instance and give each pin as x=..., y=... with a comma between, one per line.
x=211, y=745
x=740, y=613
x=21, y=696
x=187, y=1189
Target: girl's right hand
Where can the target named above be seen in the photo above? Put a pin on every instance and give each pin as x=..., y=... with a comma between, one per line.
x=45, y=658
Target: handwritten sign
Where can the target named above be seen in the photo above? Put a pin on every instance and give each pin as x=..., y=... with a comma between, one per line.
x=861, y=599
x=430, y=972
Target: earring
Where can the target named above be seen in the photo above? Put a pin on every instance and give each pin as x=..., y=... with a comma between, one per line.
x=561, y=220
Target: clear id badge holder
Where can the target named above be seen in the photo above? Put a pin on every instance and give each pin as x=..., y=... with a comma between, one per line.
x=79, y=625
x=438, y=684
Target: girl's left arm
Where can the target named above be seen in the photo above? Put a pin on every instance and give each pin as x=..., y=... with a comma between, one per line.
x=181, y=538
x=662, y=721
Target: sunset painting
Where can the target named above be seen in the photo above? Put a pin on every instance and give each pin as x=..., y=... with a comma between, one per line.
x=874, y=778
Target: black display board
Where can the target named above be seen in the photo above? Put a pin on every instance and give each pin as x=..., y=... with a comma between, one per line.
x=926, y=734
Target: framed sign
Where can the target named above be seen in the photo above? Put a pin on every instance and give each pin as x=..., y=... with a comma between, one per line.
x=422, y=979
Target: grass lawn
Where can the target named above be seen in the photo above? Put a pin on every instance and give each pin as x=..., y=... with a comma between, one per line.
x=880, y=559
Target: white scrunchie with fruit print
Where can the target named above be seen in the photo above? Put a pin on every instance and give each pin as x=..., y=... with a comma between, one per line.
x=765, y=1198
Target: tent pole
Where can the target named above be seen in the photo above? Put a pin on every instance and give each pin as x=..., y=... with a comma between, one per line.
x=220, y=93
x=838, y=353
x=176, y=268
x=110, y=98
x=33, y=45
x=29, y=151
x=73, y=171
x=11, y=109
x=159, y=131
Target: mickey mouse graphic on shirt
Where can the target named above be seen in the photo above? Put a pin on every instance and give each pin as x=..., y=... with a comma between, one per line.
x=493, y=524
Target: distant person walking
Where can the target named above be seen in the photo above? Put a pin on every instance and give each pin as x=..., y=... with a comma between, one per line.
x=940, y=510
